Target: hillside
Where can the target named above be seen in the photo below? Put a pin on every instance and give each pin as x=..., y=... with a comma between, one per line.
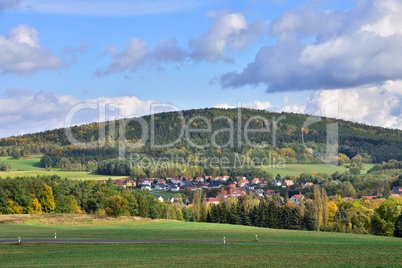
x=211, y=133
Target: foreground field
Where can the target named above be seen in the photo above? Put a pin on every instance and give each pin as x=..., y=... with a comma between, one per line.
x=297, y=248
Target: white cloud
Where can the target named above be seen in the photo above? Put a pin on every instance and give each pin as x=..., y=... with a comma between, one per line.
x=230, y=31
x=23, y=111
x=373, y=105
x=319, y=49
x=21, y=52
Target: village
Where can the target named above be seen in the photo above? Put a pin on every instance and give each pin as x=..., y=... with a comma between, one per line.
x=279, y=189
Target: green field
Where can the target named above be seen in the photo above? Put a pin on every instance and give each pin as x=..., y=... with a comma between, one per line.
x=299, y=248
x=296, y=169
x=30, y=167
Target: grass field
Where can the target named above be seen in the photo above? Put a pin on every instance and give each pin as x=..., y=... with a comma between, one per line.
x=296, y=169
x=30, y=167
x=302, y=248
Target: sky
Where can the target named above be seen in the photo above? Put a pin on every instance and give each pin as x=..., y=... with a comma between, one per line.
x=296, y=56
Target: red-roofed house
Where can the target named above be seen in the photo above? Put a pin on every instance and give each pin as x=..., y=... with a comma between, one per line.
x=270, y=192
x=288, y=183
x=295, y=198
x=237, y=193
x=256, y=181
x=242, y=182
x=349, y=198
x=394, y=195
x=120, y=183
x=161, y=181
x=212, y=200
x=308, y=184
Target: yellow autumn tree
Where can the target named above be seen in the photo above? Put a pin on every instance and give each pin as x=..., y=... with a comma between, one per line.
x=13, y=209
x=49, y=205
x=332, y=208
x=35, y=207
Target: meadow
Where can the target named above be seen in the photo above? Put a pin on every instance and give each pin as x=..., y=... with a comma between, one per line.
x=296, y=248
x=296, y=169
x=30, y=167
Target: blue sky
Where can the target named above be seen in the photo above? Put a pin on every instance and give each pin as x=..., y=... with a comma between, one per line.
x=279, y=55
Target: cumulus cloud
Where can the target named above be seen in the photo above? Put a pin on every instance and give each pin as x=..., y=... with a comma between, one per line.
x=231, y=31
x=22, y=53
x=217, y=13
x=350, y=48
x=23, y=111
x=373, y=105
x=6, y=4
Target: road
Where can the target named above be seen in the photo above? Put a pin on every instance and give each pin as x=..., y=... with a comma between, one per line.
x=129, y=241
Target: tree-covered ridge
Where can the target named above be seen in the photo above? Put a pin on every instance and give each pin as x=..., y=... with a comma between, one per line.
x=374, y=144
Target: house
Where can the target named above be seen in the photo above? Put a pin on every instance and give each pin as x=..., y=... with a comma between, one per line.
x=145, y=187
x=277, y=182
x=349, y=198
x=256, y=181
x=198, y=179
x=174, y=187
x=186, y=184
x=394, y=195
x=242, y=182
x=288, y=183
x=202, y=184
x=225, y=193
x=249, y=186
x=260, y=192
x=236, y=193
x=212, y=200
x=160, y=198
x=396, y=190
x=175, y=180
x=295, y=198
x=216, y=184
x=231, y=184
x=119, y=183
x=270, y=192
x=161, y=187
x=308, y=184
x=145, y=182
x=161, y=181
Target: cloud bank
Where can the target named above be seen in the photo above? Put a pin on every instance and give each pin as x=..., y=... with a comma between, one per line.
x=23, y=111
x=319, y=49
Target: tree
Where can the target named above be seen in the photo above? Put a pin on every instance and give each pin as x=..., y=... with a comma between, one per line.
x=143, y=205
x=16, y=154
x=35, y=207
x=48, y=204
x=332, y=208
x=398, y=226
x=325, y=212
x=115, y=206
x=46, y=161
x=317, y=205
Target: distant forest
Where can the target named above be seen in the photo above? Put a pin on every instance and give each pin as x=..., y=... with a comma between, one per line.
x=369, y=144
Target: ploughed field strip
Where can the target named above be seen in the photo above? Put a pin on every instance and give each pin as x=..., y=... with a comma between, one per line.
x=132, y=241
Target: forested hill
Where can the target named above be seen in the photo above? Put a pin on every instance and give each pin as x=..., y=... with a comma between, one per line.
x=373, y=144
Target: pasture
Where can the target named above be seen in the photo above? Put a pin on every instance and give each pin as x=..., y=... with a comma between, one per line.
x=295, y=248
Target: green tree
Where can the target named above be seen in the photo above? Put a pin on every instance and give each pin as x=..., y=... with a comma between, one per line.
x=16, y=154
x=398, y=226
x=115, y=206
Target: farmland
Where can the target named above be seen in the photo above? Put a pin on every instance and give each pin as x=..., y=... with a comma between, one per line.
x=30, y=167
x=306, y=248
